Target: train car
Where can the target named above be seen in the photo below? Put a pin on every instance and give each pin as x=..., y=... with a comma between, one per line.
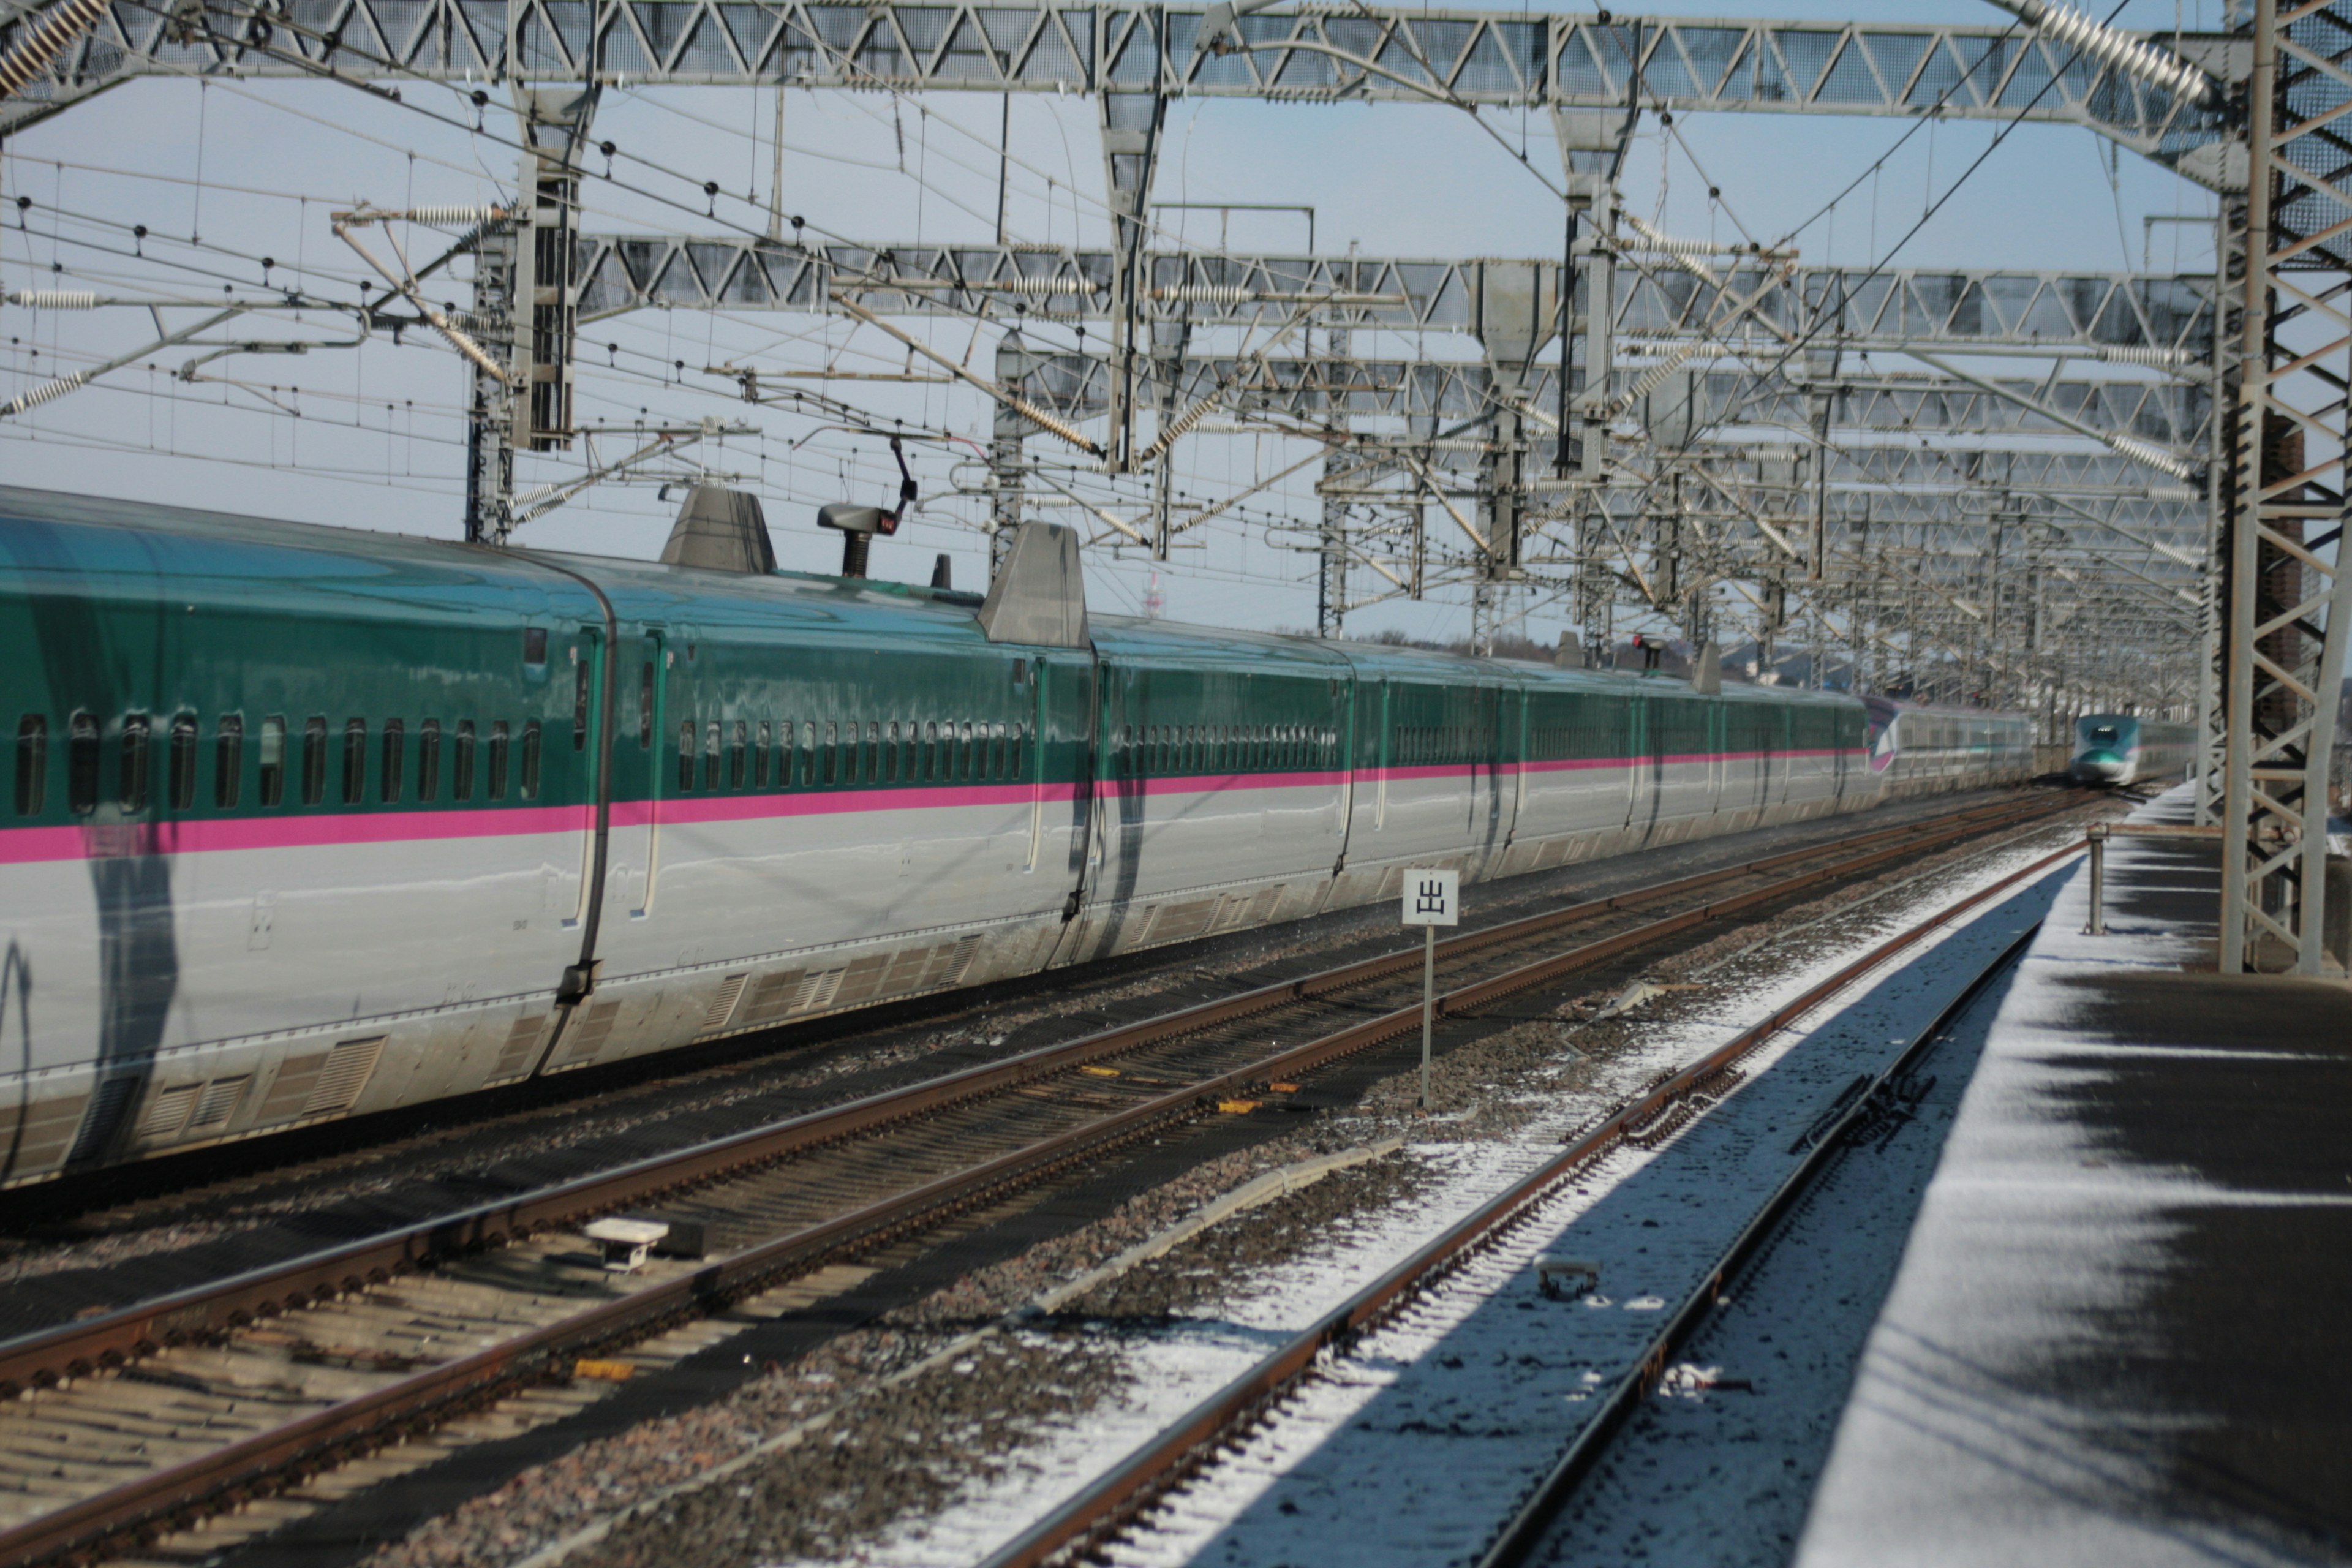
x=1916, y=746
x=2118, y=748
x=310, y=822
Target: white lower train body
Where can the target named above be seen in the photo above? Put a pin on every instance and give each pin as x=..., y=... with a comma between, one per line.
x=262, y=987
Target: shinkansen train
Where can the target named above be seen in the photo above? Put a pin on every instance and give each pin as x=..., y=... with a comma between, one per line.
x=1914, y=744
x=310, y=822
x=2117, y=749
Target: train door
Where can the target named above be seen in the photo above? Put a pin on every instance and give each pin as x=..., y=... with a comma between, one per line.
x=1345, y=717
x=1515, y=757
x=638, y=777
x=591, y=669
x=1641, y=767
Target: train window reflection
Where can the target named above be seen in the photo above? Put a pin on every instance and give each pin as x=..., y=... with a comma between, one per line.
x=184, y=762
x=228, y=761
x=273, y=760
x=498, y=760
x=314, y=759
x=32, y=764
x=82, y=764
x=531, y=760
x=428, y=759
x=355, y=761
x=132, y=792
x=395, y=740
x=685, y=754
x=461, y=763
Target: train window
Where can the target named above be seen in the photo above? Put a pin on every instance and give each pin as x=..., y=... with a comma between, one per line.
x=907, y=758
x=82, y=764
x=428, y=759
x=832, y=752
x=685, y=754
x=355, y=761
x=273, y=760
x=760, y=754
x=32, y=764
x=228, y=761
x=849, y=749
x=808, y=754
x=461, y=763
x=997, y=750
x=395, y=755
x=738, y=760
x=184, y=762
x=929, y=749
x=132, y=780
x=580, y=705
x=1020, y=756
x=873, y=747
x=711, y=754
x=534, y=645
x=314, y=759
x=890, y=754
x=529, y=760
x=498, y=790
x=646, y=706
x=965, y=762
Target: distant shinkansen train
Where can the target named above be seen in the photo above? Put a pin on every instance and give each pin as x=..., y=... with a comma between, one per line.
x=311, y=822
x=2120, y=749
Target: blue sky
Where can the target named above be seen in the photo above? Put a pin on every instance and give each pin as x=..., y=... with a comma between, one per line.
x=377, y=432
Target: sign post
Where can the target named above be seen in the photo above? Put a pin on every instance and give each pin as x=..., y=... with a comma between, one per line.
x=1431, y=898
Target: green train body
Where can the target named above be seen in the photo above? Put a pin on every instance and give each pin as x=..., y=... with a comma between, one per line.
x=311, y=822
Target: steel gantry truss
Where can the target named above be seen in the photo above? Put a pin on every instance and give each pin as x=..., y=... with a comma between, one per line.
x=1697, y=437
x=1356, y=53
x=2288, y=593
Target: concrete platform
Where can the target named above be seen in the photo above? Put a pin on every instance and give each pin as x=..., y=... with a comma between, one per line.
x=2122, y=1329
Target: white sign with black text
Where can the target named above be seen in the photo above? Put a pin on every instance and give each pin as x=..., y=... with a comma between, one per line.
x=1432, y=898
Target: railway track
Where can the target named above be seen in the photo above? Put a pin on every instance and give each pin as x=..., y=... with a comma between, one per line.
x=132, y=1421
x=1090, y=1521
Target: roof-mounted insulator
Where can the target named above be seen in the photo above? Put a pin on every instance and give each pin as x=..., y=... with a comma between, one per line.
x=2115, y=49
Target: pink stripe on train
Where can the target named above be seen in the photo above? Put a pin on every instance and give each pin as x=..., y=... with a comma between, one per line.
x=104, y=841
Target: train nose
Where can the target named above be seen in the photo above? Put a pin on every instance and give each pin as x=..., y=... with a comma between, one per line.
x=2098, y=767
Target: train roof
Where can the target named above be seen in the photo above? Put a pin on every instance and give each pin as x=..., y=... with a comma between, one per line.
x=121, y=548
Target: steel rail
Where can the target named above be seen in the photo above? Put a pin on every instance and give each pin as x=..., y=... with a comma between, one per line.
x=1520, y=1534
x=111, y=1339
x=156, y=1500
x=1117, y=1497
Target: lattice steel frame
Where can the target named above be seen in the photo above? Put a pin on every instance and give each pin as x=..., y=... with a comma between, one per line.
x=2287, y=596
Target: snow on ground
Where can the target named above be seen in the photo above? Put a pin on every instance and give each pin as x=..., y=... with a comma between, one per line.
x=2034, y=1244
x=1721, y=1476
x=1414, y=1447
